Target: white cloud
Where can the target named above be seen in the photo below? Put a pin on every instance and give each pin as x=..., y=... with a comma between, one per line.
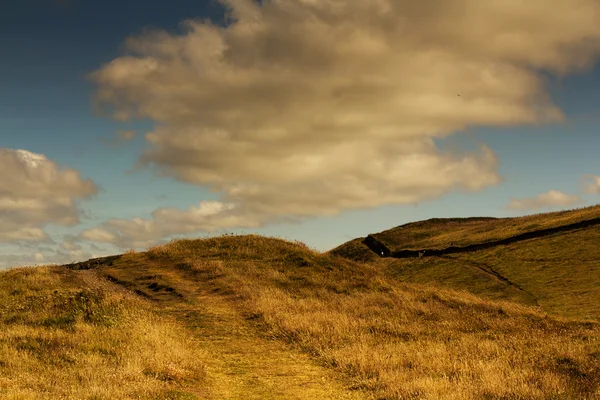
x=208, y=216
x=67, y=250
x=35, y=192
x=302, y=108
x=49, y=257
x=98, y=235
x=552, y=198
x=591, y=183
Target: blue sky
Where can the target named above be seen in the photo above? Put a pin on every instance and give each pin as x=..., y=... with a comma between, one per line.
x=51, y=48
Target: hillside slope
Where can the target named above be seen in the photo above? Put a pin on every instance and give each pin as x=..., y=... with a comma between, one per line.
x=269, y=319
x=73, y=335
x=440, y=233
x=556, y=266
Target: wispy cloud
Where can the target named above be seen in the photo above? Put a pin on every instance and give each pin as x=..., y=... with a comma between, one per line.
x=35, y=192
x=591, y=183
x=552, y=198
x=207, y=216
x=302, y=108
x=70, y=248
x=125, y=135
x=120, y=138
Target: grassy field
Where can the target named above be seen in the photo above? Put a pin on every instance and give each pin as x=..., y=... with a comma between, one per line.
x=439, y=233
x=70, y=335
x=385, y=339
x=561, y=272
x=355, y=250
x=249, y=317
x=558, y=272
x=240, y=362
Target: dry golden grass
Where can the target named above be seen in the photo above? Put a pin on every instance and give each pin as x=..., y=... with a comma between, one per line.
x=67, y=335
x=239, y=363
x=355, y=250
x=439, y=233
x=561, y=271
x=454, y=272
x=399, y=341
x=248, y=317
x=558, y=272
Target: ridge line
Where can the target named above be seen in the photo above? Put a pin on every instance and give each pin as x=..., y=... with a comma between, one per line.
x=383, y=251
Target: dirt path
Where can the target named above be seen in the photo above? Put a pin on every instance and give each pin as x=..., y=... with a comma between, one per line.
x=240, y=363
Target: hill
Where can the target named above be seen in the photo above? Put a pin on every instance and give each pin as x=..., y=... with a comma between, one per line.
x=248, y=317
x=441, y=233
x=550, y=260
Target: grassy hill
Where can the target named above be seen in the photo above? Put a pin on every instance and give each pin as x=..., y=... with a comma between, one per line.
x=248, y=317
x=72, y=335
x=558, y=270
x=439, y=233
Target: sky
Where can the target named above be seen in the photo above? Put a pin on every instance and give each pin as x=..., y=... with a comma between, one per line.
x=126, y=124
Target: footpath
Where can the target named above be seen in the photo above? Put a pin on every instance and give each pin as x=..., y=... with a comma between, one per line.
x=240, y=362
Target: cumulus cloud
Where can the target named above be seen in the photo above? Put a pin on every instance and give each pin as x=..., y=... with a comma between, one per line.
x=301, y=108
x=35, y=192
x=67, y=250
x=50, y=257
x=591, y=183
x=208, y=216
x=552, y=198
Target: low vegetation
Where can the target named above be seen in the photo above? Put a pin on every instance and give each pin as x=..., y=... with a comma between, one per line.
x=395, y=340
x=558, y=272
x=67, y=335
x=439, y=233
x=249, y=317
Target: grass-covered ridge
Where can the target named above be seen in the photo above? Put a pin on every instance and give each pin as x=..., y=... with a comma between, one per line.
x=557, y=270
x=440, y=233
x=393, y=340
x=560, y=273
x=271, y=319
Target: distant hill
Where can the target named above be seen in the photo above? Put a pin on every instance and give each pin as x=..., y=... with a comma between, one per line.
x=551, y=260
x=440, y=233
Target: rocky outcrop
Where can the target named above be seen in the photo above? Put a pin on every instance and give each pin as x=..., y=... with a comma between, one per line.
x=377, y=247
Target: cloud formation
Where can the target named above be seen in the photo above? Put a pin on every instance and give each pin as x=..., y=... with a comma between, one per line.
x=591, y=183
x=70, y=248
x=552, y=198
x=208, y=216
x=35, y=192
x=57, y=256
x=125, y=135
x=301, y=108
x=119, y=138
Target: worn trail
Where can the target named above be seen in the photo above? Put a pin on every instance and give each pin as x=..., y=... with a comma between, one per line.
x=240, y=362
